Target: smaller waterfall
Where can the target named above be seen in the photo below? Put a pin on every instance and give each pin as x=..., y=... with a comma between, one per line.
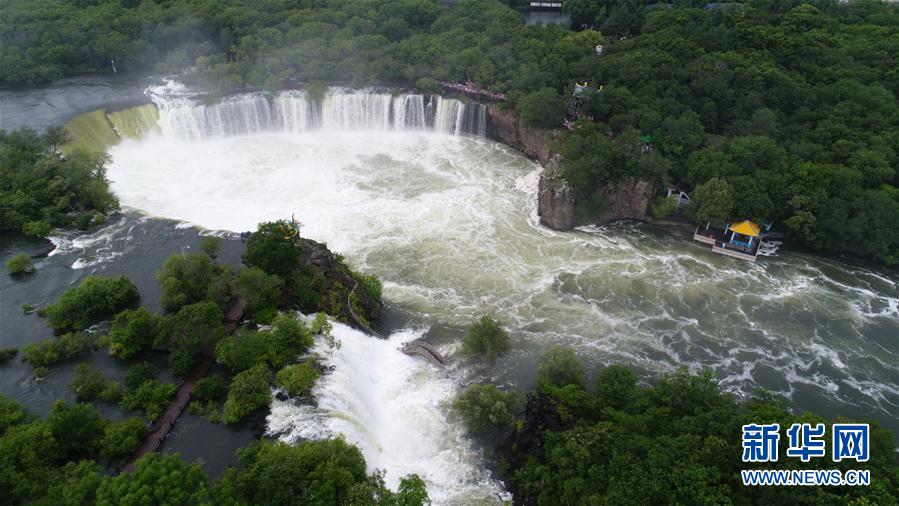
x=293, y=112
x=409, y=112
x=455, y=117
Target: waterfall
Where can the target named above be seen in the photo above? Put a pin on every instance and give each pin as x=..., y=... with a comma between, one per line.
x=395, y=409
x=185, y=116
x=293, y=112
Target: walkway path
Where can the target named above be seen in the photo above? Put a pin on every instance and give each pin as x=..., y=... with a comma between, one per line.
x=157, y=433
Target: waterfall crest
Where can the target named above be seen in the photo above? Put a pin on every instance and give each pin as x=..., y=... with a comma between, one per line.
x=186, y=117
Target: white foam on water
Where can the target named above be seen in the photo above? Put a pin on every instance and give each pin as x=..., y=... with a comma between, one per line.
x=395, y=409
x=449, y=223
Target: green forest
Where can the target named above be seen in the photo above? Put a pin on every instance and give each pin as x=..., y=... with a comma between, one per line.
x=775, y=111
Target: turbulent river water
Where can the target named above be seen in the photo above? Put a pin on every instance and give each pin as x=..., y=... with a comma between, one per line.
x=407, y=187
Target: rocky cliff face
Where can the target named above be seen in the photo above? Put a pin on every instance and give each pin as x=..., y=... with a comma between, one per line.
x=555, y=199
x=626, y=200
x=504, y=126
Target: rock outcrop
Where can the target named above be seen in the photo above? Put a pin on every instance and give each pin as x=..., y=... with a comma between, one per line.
x=626, y=200
x=504, y=126
x=555, y=199
x=343, y=293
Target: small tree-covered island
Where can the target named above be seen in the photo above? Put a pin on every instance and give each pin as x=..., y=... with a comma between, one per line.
x=414, y=252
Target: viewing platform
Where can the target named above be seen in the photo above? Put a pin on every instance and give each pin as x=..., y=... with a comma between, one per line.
x=739, y=240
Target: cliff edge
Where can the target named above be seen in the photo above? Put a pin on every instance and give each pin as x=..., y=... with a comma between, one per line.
x=628, y=199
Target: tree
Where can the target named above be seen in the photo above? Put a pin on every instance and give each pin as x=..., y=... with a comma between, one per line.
x=616, y=387
x=11, y=414
x=121, y=438
x=19, y=263
x=298, y=379
x=312, y=472
x=189, y=331
x=288, y=339
x=249, y=392
x=486, y=409
x=54, y=350
x=185, y=280
x=273, y=248
x=88, y=383
x=211, y=246
x=210, y=388
x=77, y=429
x=159, y=478
x=486, y=337
x=94, y=298
x=262, y=292
x=560, y=367
x=28, y=453
x=243, y=350
x=713, y=201
x=132, y=331
x=543, y=109
x=152, y=397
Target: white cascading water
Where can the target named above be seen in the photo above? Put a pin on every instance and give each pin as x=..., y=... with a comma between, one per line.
x=391, y=406
x=450, y=224
x=182, y=116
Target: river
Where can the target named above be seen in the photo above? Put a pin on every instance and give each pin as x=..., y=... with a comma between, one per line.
x=447, y=219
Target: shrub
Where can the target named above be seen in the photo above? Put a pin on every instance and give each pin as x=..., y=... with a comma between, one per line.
x=132, y=330
x=19, y=263
x=11, y=414
x=298, y=379
x=188, y=332
x=54, y=350
x=312, y=472
x=243, y=350
x=122, y=438
x=288, y=339
x=543, y=108
x=211, y=246
x=663, y=206
x=210, y=388
x=7, y=354
x=486, y=337
x=273, y=248
x=249, y=392
x=77, y=429
x=261, y=290
x=88, y=383
x=151, y=397
x=111, y=393
x=486, y=409
x=428, y=85
x=95, y=297
x=185, y=279
x=28, y=308
x=139, y=374
x=159, y=478
x=560, y=367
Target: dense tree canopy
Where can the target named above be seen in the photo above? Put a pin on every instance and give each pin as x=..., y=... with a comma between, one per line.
x=792, y=104
x=41, y=189
x=676, y=441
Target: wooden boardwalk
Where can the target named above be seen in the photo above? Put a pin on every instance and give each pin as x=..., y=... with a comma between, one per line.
x=158, y=432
